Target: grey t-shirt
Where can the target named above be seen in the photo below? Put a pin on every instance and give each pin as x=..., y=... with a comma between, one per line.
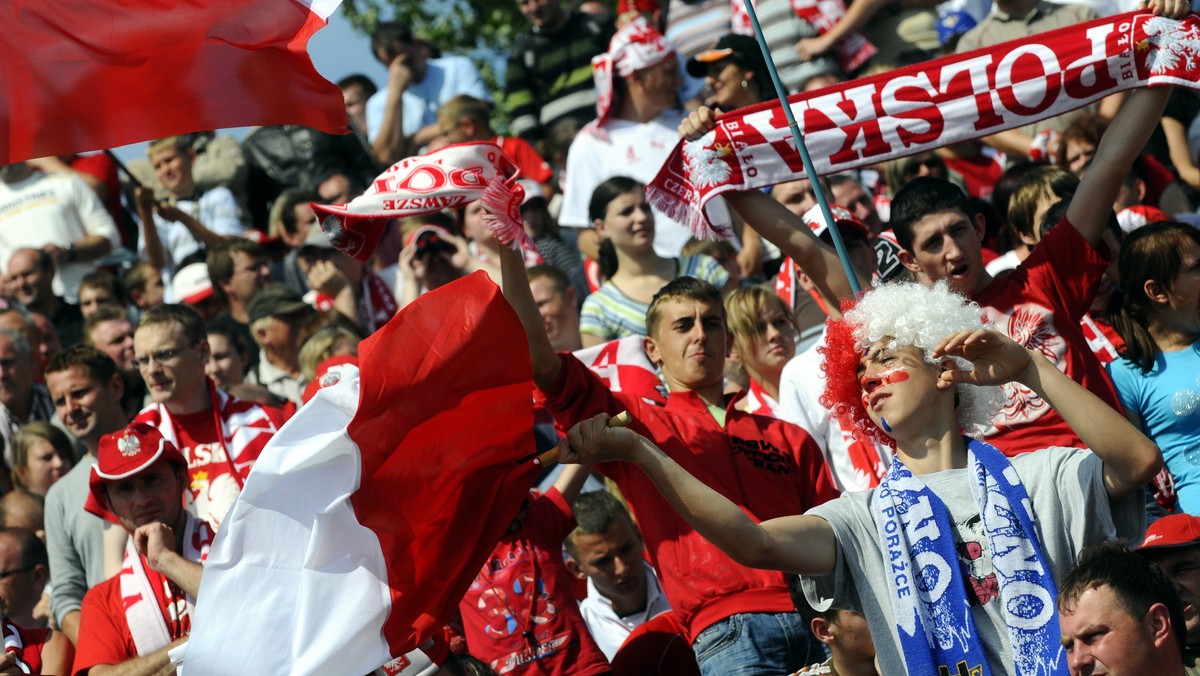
x=1066, y=488
x=74, y=540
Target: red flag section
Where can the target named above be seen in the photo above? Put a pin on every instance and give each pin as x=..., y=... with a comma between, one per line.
x=369, y=513
x=92, y=74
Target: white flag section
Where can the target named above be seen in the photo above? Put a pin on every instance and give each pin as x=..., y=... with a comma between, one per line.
x=370, y=512
x=314, y=575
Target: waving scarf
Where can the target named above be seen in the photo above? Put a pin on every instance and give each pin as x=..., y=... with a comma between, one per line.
x=927, y=106
x=928, y=594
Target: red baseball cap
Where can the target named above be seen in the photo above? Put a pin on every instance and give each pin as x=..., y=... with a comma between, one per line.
x=1174, y=530
x=124, y=454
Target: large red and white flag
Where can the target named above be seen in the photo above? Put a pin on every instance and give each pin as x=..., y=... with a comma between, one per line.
x=82, y=75
x=369, y=513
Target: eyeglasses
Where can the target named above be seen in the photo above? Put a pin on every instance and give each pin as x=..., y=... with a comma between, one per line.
x=9, y=573
x=161, y=356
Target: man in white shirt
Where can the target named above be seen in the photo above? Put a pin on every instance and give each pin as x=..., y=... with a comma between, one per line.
x=606, y=549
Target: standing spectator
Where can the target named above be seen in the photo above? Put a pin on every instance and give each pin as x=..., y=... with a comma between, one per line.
x=558, y=305
x=221, y=436
x=144, y=287
x=238, y=270
x=764, y=341
x=1159, y=321
x=26, y=572
x=402, y=116
x=635, y=271
x=356, y=90
x=465, y=118
x=99, y=289
x=547, y=80
x=276, y=316
x=57, y=214
x=1173, y=544
x=87, y=391
x=635, y=129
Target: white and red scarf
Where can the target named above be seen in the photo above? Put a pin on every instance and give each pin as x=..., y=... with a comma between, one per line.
x=14, y=644
x=448, y=178
x=927, y=106
x=636, y=46
x=851, y=51
x=376, y=304
x=145, y=610
x=624, y=367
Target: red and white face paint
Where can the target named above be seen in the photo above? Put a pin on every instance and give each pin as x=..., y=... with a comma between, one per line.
x=871, y=383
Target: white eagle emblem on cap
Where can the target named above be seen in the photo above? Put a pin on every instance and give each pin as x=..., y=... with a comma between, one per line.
x=129, y=445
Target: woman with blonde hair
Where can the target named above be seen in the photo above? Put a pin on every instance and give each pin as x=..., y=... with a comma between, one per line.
x=41, y=456
x=764, y=341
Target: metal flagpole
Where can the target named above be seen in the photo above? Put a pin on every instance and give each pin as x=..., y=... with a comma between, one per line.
x=809, y=170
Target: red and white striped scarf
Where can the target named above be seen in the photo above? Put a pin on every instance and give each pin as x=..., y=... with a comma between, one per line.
x=927, y=106
x=13, y=644
x=759, y=402
x=147, y=610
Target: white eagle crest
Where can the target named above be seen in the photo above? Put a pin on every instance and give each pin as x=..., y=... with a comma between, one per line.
x=1172, y=45
x=705, y=163
x=129, y=445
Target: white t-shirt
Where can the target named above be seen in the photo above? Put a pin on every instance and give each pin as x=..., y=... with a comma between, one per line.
x=57, y=209
x=632, y=149
x=610, y=630
x=216, y=210
x=445, y=78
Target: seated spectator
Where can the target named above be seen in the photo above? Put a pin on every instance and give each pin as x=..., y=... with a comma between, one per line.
x=606, y=549
x=57, y=214
x=144, y=287
x=558, y=305
x=431, y=258
x=190, y=219
x=897, y=371
x=30, y=279
x=238, y=270
x=844, y=632
x=764, y=341
x=519, y=615
x=735, y=73
x=27, y=570
x=1120, y=615
x=634, y=270
x=326, y=342
x=292, y=217
x=1033, y=196
x=22, y=401
x=99, y=289
x=276, y=316
x=137, y=467
x=229, y=362
x=19, y=509
x=193, y=287
x=1159, y=324
x=1173, y=544
x=110, y=331
x=402, y=116
x=340, y=282
x=466, y=118
x=48, y=345
x=42, y=454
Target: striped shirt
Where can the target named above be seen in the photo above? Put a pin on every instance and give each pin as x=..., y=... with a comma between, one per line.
x=610, y=314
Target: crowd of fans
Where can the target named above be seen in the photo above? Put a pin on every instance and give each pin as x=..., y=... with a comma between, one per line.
x=156, y=331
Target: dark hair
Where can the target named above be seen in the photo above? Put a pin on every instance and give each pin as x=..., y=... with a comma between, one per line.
x=1149, y=253
x=220, y=260
x=807, y=612
x=99, y=366
x=358, y=80
x=287, y=202
x=1032, y=189
x=688, y=288
x=236, y=337
x=1087, y=128
x=388, y=34
x=102, y=279
x=187, y=318
x=921, y=197
x=1007, y=184
x=33, y=550
x=104, y=314
x=595, y=512
x=1053, y=216
x=557, y=278
x=605, y=193
x=1134, y=580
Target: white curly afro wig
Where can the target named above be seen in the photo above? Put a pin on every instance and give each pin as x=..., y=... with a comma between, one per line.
x=909, y=314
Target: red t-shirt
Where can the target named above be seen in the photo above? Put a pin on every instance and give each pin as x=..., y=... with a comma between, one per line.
x=104, y=636
x=1039, y=304
x=32, y=643
x=531, y=164
x=519, y=615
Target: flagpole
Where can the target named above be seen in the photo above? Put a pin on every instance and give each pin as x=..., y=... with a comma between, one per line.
x=122, y=167
x=809, y=170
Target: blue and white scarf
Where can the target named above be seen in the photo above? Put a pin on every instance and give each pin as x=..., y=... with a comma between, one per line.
x=928, y=590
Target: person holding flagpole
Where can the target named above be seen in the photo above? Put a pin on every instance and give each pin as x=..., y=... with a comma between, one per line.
x=954, y=557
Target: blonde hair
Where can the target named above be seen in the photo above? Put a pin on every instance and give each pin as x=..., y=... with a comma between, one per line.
x=319, y=347
x=179, y=143
x=744, y=309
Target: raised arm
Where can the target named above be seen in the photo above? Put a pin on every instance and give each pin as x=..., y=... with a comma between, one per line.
x=515, y=285
x=1120, y=146
x=797, y=544
x=1130, y=459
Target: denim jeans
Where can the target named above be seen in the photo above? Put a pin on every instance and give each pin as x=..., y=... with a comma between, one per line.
x=757, y=644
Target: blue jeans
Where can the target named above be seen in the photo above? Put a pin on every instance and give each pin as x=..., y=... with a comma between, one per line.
x=757, y=644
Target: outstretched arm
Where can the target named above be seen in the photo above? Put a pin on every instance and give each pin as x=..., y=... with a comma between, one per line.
x=798, y=544
x=515, y=285
x=1130, y=459
x=782, y=228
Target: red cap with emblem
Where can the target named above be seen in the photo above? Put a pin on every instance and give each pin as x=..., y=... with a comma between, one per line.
x=122, y=455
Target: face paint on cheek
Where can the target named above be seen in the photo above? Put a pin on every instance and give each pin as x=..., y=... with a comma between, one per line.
x=884, y=424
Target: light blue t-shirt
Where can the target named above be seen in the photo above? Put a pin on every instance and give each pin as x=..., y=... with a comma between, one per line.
x=445, y=78
x=1168, y=401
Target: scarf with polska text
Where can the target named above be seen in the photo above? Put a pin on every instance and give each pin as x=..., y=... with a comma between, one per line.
x=928, y=594
x=926, y=106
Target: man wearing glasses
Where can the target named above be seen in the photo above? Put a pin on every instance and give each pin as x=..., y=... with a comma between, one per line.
x=221, y=436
